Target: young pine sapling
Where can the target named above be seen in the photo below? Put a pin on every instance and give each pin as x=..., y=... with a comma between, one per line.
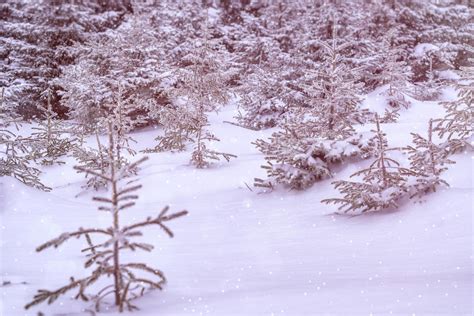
x=201, y=88
x=427, y=162
x=314, y=136
x=383, y=182
x=47, y=143
x=129, y=279
x=15, y=151
x=458, y=123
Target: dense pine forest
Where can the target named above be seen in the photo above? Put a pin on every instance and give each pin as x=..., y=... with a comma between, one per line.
x=308, y=157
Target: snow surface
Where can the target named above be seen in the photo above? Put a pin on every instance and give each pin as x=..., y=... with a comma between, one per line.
x=422, y=49
x=241, y=252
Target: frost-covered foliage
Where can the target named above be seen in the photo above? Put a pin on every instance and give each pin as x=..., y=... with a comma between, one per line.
x=202, y=87
x=321, y=132
x=48, y=142
x=36, y=39
x=383, y=184
x=386, y=182
x=298, y=158
x=427, y=162
x=458, y=123
x=105, y=246
x=278, y=42
x=16, y=156
x=95, y=158
x=263, y=48
x=429, y=60
x=129, y=59
x=449, y=26
x=394, y=72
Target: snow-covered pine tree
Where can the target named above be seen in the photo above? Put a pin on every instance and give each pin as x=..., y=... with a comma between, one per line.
x=47, y=142
x=105, y=250
x=129, y=58
x=450, y=26
x=267, y=93
x=92, y=159
x=268, y=71
x=430, y=88
x=458, y=123
x=320, y=132
x=36, y=39
x=394, y=71
x=15, y=152
x=123, y=121
x=201, y=88
x=427, y=162
x=384, y=182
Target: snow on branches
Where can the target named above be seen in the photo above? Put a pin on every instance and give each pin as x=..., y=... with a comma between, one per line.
x=130, y=280
x=321, y=132
x=383, y=182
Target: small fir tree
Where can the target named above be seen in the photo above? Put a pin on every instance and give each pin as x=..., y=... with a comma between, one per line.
x=122, y=121
x=429, y=55
x=457, y=125
x=427, y=162
x=15, y=151
x=384, y=182
x=202, y=87
x=48, y=144
x=130, y=280
x=321, y=132
x=394, y=71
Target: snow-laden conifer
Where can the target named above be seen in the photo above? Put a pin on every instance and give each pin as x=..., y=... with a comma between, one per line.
x=122, y=121
x=201, y=88
x=106, y=246
x=457, y=125
x=383, y=183
x=394, y=71
x=321, y=132
x=49, y=141
x=427, y=161
x=16, y=155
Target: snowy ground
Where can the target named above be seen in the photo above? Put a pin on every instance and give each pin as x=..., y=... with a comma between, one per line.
x=243, y=253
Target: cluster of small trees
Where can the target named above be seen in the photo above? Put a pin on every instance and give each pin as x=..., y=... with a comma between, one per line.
x=299, y=66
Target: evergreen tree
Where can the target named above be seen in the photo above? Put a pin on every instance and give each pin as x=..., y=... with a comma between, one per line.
x=430, y=88
x=36, y=39
x=95, y=158
x=267, y=69
x=427, y=162
x=201, y=88
x=384, y=182
x=457, y=125
x=104, y=254
x=47, y=142
x=15, y=152
x=129, y=58
x=321, y=132
x=394, y=71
